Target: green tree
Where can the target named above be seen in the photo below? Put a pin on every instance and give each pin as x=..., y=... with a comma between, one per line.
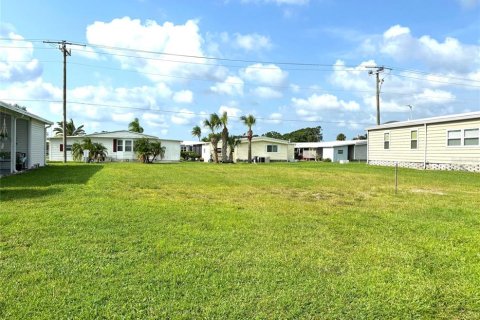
x=274, y=135
x=341, y=137
x=147, y=151
x=249, y=121
x=305, y=135
x=134, y=126
x=197, y=132
x=232, y=142
x=360, y=137
x=70, y=128
x=97, y=151
x=213, y=123
x=224, y=122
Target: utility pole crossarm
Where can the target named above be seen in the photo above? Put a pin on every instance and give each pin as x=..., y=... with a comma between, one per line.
x=66, y=52
x=378, y=70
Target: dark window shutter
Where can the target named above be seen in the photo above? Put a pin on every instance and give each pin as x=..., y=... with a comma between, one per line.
x=61, y=146
x=114, y=145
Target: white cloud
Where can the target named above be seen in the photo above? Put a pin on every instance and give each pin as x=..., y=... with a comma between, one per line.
x=154, y=119
x=184, y=117
x=267, y=74
x=275, y=118
x=123, y=117
x=252, y=42
x=449, y=55
x=355, y=78
x=266, y=93
x=17, y=64
x=183, y=96
x=315, y=104
x=429, y=96
x=232, y=112
x=231, y=86
x=183, y=39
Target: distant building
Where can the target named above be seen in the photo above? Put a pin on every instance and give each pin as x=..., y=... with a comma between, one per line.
x=443, y=143
x=22, y=139
x=119, y=145
x=351, y=150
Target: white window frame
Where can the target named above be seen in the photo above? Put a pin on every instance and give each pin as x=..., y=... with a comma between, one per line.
x=120, y=145
x=462, y=137
x=477, y=137
x=389, y=140
x=125, y=145
x=411, y=140
x=272, y=145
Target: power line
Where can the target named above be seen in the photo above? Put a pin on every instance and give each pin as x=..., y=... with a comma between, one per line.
x=334, y=67
x=180, y=112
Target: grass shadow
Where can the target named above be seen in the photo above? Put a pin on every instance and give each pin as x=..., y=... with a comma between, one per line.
x=11, y=194
x=57, y=174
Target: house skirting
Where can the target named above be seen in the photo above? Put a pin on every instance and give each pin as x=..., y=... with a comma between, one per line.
x=429, y=166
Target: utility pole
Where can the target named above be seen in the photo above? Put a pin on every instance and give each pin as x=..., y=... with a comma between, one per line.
x=62, y=45
x=379, y=82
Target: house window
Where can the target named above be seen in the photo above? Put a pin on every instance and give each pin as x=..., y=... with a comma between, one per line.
x=386, y=140
x=119, y=145
x=413, y=139
x=128, y=145
x=340, y=151
x=470, y=137
x=69, y=147
x=272, y=148
x=454, y=138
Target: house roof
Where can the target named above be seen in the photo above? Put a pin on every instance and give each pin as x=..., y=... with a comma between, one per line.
x=440, y=119
x=193, y=143
x=329, y=144
x=120, y=134
x=19, y=110
x=266, y=139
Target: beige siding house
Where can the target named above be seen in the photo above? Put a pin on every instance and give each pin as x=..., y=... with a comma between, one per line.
x=265, y=149
x=22, y=139
x=119, y=145
x=443, y=143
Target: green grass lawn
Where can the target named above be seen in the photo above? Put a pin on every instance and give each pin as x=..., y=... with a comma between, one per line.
x=194, y=240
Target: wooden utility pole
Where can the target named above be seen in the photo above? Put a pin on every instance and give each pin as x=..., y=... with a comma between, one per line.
x=379, y=82
x=66, y=52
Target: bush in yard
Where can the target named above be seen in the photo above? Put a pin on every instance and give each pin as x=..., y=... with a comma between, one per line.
x=189, y=155
x=97, y=151
x=147, y=151
x=327, y=160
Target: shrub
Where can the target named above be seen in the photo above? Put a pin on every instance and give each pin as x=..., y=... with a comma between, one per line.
x=327, y=160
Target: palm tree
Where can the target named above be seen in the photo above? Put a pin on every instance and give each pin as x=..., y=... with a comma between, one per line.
x=134, y=126
x=69, y=128
x=213, y=123
x=232, y=142
x=224, y=122
x=341, y=137
x=197, y=132
x=249, y=121
x=145, y=149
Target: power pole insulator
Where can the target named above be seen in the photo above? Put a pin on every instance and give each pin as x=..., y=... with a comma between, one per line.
x=378, y=82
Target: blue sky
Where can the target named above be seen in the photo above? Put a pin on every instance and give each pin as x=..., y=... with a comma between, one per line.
x=291, y=63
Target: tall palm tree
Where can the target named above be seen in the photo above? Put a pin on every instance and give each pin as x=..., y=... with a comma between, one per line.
x=232, y=142
x=134, y=126
x=70, y=128
x=213, y=123
x=197, y=132
x=224, y=122
x=249, y=121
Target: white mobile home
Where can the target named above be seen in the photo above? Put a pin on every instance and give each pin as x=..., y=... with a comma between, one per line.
x=351, y=150
x=119, y=145
x=443, y=143
x=22, y=139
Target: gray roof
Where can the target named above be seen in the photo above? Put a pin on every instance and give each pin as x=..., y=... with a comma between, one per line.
x=448, y=118
x=19, y=110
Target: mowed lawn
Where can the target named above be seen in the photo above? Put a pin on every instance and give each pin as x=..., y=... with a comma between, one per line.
x=194, y=240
